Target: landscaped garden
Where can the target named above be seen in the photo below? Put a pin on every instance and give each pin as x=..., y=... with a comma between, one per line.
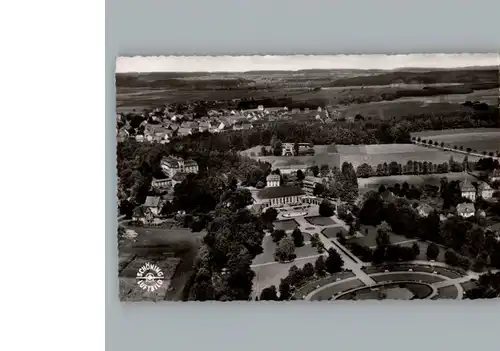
x=332, y=232
x=320, y=221
x=370, y=237
x=398, y=291
x=286, y=224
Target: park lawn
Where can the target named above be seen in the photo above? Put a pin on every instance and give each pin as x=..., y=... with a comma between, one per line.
x=269, y=248
x=370, y=238
x=423, y=251
x=410, y=276
x=272, y=274
x=327, y=293
x=320, y=221
x=469, y=285
x=286, y=224
x=332, y=232
x=447, y=292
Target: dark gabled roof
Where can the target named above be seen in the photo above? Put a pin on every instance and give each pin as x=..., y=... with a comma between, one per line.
x=279, y=191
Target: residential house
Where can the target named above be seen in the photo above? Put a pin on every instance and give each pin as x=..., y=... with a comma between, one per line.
x=204, y=126
x=224, y=123
x=172, y=166
x=287, y=149
x=468, y=191
x=152, y=203
x=161, y=183
x=466, y=210
x=142, y=214
x=495, y=175
x=424, y=210
x=185, y=131
x=484, y=190
x=139, y=138
x=242, y=126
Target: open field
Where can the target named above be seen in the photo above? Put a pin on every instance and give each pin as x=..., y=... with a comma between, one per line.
x=401, y=153
x=486, y=139
x=447, y=292
x=176, y=248
x=373, y=183
x=321, y=87
x=131, y=291
x=335, y=155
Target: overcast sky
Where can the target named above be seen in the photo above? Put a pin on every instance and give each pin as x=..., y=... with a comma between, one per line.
x=298, y=62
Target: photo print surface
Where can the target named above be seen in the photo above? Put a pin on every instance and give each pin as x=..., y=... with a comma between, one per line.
x=316, y=178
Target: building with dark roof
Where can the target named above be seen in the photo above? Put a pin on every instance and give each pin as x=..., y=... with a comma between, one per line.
x=466, y=209
x=280, y=195
x=468, y=190
x=171, y=166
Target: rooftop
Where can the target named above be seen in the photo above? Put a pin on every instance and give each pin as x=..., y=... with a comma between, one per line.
x=152, y=201
x=467, y=186
x=279, y=191
x=466, y=207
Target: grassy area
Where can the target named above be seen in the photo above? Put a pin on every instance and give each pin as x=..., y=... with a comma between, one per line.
x=332, y=232
x=177, y=248
x=272, y=274
x=370, y=238
x=327, y=293
x=423, y=251
x=320, y=221
x=485, y=139
x=269, y=247
x=447, y=292
x=373, y=183
x=286, y=224
x=386, y=153
x=310, y=287
x=410, y=276
x=131, y=291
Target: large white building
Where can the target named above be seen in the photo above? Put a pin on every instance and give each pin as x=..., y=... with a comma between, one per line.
x=276, y=195
x=171, y=166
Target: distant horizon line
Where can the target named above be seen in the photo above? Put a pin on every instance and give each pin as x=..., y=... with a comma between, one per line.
x=297, y=63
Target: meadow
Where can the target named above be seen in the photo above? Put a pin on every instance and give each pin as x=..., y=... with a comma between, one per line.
x=401, y=153
x=485, y=139
x=373, y=183
x=334, y=155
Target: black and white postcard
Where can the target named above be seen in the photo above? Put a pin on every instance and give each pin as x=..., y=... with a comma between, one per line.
x=317, y=178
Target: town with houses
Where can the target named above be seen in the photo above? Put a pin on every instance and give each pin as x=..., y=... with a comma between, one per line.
x=278, y=203
x=165, y=125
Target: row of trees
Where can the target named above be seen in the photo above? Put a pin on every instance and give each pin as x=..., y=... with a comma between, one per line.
x=297, y=277
x=411, y=167
x=455, y=147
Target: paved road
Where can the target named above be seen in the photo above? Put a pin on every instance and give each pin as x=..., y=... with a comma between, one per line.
x=350, y=263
